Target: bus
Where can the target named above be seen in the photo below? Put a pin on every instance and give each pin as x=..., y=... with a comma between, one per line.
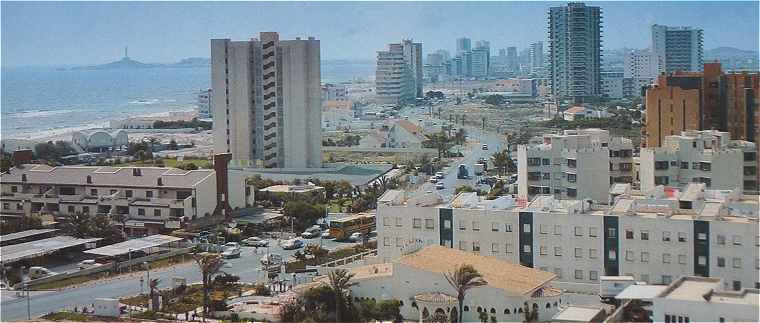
x=342, y=228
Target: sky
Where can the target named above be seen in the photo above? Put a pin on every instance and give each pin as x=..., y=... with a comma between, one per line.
x=81, y=33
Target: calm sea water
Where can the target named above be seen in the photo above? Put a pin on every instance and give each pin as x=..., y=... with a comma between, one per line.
x=41, y=101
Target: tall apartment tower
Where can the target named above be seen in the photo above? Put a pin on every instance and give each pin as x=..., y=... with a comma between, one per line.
x=676, y=49
x=267, y=101
x=513, y=64
x=575, y=51
x=536, y=57
x=464, y=44
x=398, y=78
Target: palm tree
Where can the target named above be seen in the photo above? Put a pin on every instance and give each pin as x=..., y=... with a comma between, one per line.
x=439, y=141
x=462, y=279
x=500, y=160
x=210, y=265
x=340, y=281
x=153, y=285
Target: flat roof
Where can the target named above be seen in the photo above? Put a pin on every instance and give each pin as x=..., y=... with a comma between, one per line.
x=577, y=313
x=105, y=176
x=122, y=248
x=42, y=247
x=645, y=292
x=291, y=188
x=24, y=234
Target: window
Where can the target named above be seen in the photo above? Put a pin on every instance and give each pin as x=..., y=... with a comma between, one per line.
x=666, y=258
x=667, y=279
x=14, y=189
x=682, y=259
x=8, y=206
x=558, y=251
x=476, y=246
x=542, y=250
x=666, y=236
x=571, y=192
x=508, y=227
x=612, y=255
x=141, y=211
x=495, y=248
x=737, y=262
x=128, y=193
x=429, y=224
x=19, y=206
x=682, y=237
x=527, y=248
x=387, y=241
x=592, y=231
x=398, y=221
x=737, y=285
x=148, y=194
x=572, y=163
x=557, y=229
x=721, y=262
x=572, y=178
x=578, y=274
x=462, y=225
x=628, y=255
x=508, y=248
x=702, y=236
x=661, y=165
x=737, y=240
x=417, y=223
x=706, y=166
x=543, y=229
x=526, y=228
x=93, y=192
x=399, y=242
x=71, y=209
x=545, y=161
x=86, y=210
x=629, y=234
x=592, y=253
x=156, y=212
x=644, y=256
x=386, y=222
x=721, y=239
x=661, y=180
x=475, y=226
x=578, y=253
x=447, y=224
x=644, y=235
x=702, y=260
x=684, y=165
x=463, y=245
x=578, y=231
x=494, y=227
x=611, y=232
x=593, y=275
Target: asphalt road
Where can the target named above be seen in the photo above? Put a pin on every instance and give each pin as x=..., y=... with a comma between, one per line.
x=43, y=302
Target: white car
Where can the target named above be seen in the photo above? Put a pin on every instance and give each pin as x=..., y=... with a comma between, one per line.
x=231, y=250
x=292, y=244
x=439, y=175
x=89, y=263
x=356, y=237
x=433, y=180
x=255, y=242
x=439, y=186
x=326, y=234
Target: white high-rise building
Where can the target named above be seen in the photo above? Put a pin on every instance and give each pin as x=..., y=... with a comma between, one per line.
x=398, y=78
x=575, y=51
x=578, y=164
x=536, y=57
x=266, y=101
x=639, y=64
x=479, y=62
x=677, y=49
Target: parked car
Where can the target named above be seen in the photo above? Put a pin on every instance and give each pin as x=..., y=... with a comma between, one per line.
x=255, y=242
x=439, y=175
x=439, y=186
x=433, y=180
x=326, y=234
x=312, y=232
x=356, y=237
x=231, y=250
x=292, y=244
x=89, y=263
x=271, y=259
x=39, y=272
x=485, y=147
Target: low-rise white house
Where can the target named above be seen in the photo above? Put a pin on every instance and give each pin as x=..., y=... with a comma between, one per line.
x=417, y=280
x=700, y=299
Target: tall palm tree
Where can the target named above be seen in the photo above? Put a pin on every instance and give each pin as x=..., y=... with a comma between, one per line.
x=153, y=286
x=439, y=141
x=501, y=161
x=210, y=265
x=462, y=279
x=340, y=281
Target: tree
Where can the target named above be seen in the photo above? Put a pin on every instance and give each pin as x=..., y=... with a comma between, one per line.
x=495, y=99
x=188, y=166
x=52, y=151
x=316, y=250
x=153, y=286
x=303, y=214
x=462, y=279
x=340, y=282
x=531, y=315
x=439, y=141
x=503, y=162
x=87, y=225
x=173, y=144
x=209, y=265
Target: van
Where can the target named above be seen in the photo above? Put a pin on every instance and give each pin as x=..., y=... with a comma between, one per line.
x=40, y=272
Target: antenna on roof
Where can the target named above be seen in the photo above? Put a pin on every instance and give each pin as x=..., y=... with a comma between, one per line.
x=126, y=51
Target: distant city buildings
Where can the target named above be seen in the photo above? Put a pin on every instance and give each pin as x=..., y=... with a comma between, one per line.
x=513, y=64
x=575, y=51
x=464, y=44
x=677, y=49
x=537, y=58
x=203, y=101
x=266, y=101
x=578, y=164
x=398, y=77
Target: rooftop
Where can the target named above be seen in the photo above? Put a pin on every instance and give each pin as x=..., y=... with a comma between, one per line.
x=38, y=248
x=576, y=313
x=133, y=245
x=512, y=278
x=105, y=176
x=643, y=292
x=704, y=290
x=24, y=234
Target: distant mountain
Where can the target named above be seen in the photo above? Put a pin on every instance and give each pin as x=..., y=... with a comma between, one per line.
x=192, y=62
x=730, y=52
x=128, y=63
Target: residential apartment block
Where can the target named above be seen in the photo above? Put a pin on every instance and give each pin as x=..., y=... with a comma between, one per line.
x=577, y=164
x=707, y=156
x=398, y=78
x=151, y=198
x=575, y=51
x=655, y=236
x=676, y=49
x=266, y=101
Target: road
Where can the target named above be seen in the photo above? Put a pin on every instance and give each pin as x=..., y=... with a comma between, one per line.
x=43, y=302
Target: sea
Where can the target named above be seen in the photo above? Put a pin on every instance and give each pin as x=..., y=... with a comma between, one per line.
x=41, y=102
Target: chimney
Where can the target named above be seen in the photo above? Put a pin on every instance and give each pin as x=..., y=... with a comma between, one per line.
x=221, y=162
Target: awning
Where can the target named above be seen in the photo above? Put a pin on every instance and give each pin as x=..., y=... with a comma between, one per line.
x=122, y=248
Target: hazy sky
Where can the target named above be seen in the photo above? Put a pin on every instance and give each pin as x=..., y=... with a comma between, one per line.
x=92, y=33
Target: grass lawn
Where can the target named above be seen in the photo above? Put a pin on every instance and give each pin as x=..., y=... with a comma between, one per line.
x=68, y=316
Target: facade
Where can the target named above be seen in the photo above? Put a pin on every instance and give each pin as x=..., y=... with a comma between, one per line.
x=266, y=101
x=480, y=62
x=151, y=198
x=100, y=139
x=537, y=58
x=398, y=78
x=578, y=164
x=333, y=92
x=655, y=236
x=701, y=299
x=612, y=85
x=464, y=44
x=639, y=64
x=676, y=49
x=575, y=51
x=434, y=59
x=203, y=101
x=513, y=63
x=417, y=280
x=707, y=156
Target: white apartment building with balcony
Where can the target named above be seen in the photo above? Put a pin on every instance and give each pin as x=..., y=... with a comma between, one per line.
x=152, y=198
x=398, y=78
x=676, y=49
x=707, y=156
x=655, y=236
x=266, y=101
x=577, y=164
